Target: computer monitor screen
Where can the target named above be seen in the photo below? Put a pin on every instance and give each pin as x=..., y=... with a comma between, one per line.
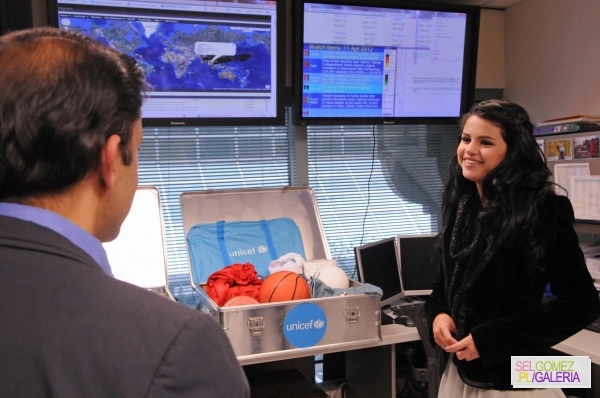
x=418, y=263
x=383, y=62
x=138, y=254
x=377, y=265
x=206, y=62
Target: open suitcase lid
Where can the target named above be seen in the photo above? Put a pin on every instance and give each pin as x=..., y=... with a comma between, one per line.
x=138, y=254
x=297, y=203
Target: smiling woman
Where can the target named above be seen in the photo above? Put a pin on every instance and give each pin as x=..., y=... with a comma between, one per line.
x=505, y=234
x=481, y=149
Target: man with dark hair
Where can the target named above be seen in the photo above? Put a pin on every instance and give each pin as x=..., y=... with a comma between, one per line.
x=70, y=129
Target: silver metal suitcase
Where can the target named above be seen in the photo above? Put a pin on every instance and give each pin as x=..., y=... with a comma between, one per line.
x=291, y=328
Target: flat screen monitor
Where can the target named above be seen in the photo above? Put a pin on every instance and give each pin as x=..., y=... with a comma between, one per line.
x=206, y=62
x=378, y=265
x=418, y=263
x=3, y=17
x=383, y=62
x=138, y=254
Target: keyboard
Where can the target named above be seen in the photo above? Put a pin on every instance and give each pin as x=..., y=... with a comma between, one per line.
x=406, y=306
x=404, y=309
x=594, y=326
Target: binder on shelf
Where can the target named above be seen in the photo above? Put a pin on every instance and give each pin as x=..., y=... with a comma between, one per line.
x=570, y=119
x=565, y=128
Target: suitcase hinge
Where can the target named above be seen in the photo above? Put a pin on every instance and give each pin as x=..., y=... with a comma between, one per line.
x=352, y=314
x=256, y=325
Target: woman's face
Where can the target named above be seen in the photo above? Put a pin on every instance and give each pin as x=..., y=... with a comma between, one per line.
x=481, y=149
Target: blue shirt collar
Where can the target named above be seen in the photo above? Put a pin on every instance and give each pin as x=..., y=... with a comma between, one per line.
x=77, y=235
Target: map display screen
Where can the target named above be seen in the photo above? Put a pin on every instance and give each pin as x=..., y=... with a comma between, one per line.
x=206, y=62
x=372, y=61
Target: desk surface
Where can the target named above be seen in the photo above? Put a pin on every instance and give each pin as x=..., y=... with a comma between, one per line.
x=584, y=343
x=395, y=333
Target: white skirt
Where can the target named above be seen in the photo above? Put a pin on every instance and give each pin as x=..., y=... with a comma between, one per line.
x=451, y=386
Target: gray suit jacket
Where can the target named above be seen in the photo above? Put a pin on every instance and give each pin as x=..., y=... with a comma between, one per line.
x=69, y=330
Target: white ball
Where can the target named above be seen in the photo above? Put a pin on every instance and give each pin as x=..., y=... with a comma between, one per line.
x=333, y=276
x=311, y=267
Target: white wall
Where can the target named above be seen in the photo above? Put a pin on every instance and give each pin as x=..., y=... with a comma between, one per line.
x=490, y=51
x=39, y=14
x=552, y=57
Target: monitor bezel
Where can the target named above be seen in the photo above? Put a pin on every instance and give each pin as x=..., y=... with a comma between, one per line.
x=359, y=266
x=281, y=57
x=399, y=239
x=469, y=67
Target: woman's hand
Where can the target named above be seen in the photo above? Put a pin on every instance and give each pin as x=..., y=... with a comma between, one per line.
x=443, y=327
x=464, y=349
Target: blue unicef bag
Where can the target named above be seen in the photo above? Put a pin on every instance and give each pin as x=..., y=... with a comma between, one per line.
x=214, y=246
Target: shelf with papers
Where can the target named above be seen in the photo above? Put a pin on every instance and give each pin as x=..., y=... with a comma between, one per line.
x=587, y=227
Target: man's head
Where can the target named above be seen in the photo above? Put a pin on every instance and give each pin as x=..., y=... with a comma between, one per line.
x=62, y=96
x=66, y=102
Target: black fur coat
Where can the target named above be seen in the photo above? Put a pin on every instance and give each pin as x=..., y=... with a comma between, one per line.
x=502, y=307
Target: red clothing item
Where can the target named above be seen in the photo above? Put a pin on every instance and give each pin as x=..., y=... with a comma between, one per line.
x=231, y=281
x=593, y=148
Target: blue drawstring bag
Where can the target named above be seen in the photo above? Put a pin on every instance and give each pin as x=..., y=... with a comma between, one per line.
x=213, y=246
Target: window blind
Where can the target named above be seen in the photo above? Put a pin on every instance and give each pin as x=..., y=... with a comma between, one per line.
x=375, y=182
x=177, y=160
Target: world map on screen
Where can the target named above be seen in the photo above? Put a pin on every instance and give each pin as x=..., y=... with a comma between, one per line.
x=180, y=56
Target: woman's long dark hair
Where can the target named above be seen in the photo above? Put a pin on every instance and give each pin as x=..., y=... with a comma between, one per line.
x=515, y=189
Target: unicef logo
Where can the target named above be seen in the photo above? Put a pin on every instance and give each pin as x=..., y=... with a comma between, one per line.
x=262, y=249
x=305, y=325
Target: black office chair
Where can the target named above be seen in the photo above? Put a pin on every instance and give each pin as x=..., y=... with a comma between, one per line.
x=428, y=376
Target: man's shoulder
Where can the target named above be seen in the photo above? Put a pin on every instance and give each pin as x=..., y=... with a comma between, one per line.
x=192, y=347
x=127, y=298
x=103, y=323
x=22, y=234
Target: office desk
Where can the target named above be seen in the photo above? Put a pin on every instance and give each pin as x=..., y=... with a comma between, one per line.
x=371, y=368
x=585, y=343
x=394, y=334
x=372, y=371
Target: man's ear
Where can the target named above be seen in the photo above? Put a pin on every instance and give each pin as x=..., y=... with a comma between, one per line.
x=111, y=154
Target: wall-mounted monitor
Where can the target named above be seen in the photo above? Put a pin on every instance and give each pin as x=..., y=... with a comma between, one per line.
x=207, y=62
x=383, y=62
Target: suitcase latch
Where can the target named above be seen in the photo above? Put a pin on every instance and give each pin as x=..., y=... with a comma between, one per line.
x=352, y=314
x=256, y=325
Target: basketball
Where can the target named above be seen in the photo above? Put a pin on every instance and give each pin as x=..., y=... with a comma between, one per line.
x=283, y=286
